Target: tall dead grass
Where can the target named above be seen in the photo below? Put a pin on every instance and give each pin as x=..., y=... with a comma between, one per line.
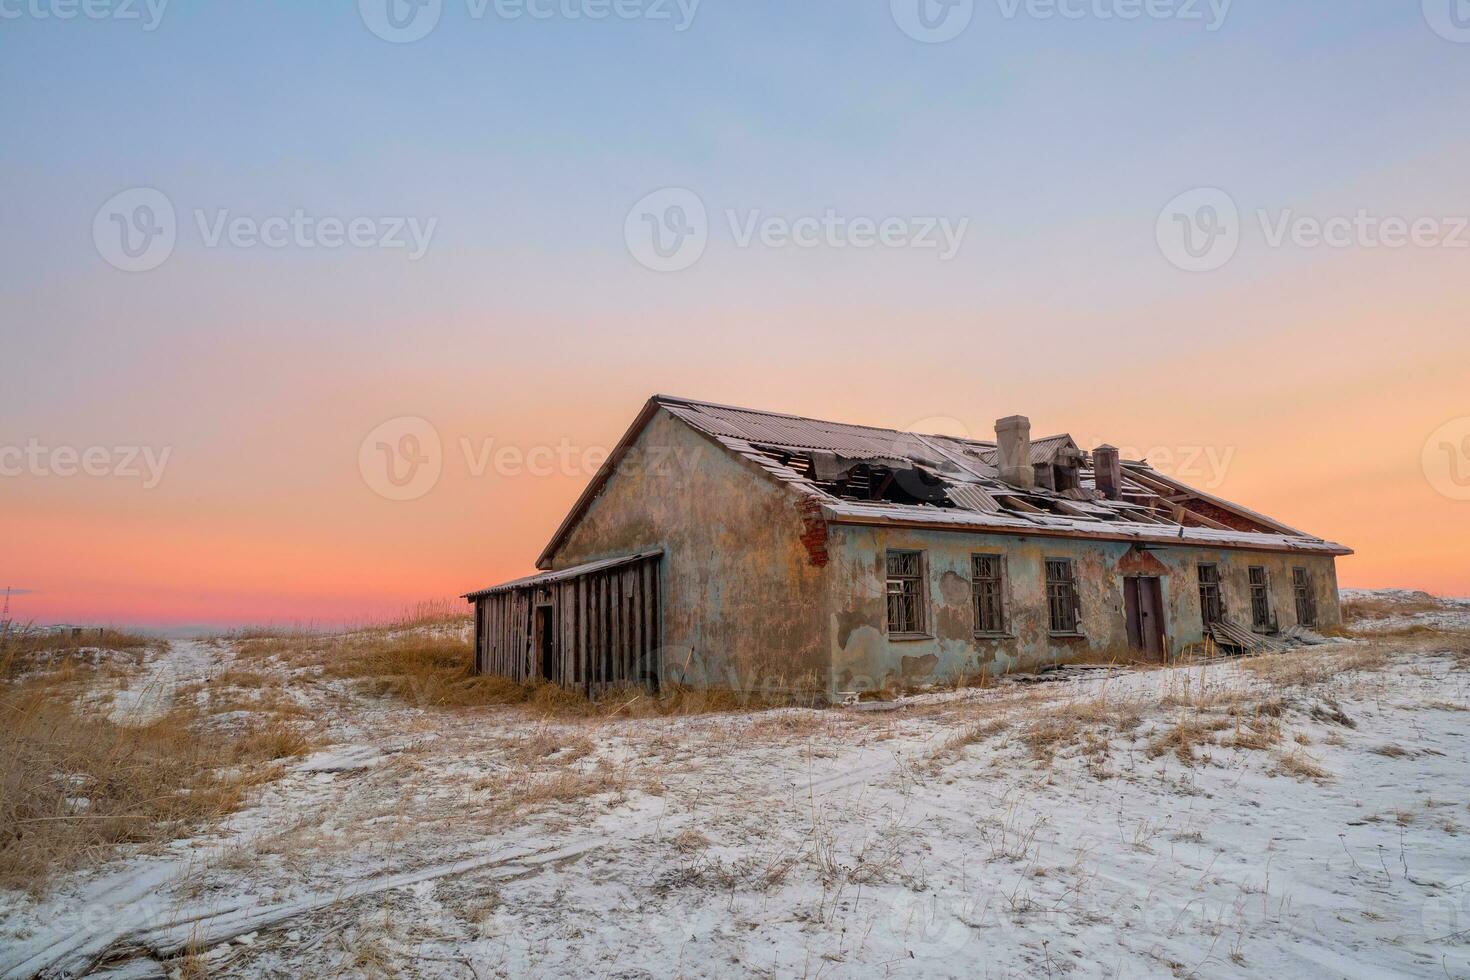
x=29, y=652
x=431, y=669
x=74, y=784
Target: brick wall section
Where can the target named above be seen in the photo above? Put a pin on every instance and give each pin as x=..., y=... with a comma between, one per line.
x=814, y=535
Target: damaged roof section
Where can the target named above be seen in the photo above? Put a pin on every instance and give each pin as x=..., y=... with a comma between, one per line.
x=1050, y=485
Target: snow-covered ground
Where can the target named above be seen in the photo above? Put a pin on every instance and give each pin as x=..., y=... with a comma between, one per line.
x=1401, y=608
x=1305, y=815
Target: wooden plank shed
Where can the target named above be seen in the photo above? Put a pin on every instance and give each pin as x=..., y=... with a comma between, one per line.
x=590, y=627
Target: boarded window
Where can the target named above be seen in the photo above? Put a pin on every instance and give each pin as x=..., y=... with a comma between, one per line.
x=1260, y=598
x=1061, y=595
x=1306, y=602
x=905, y=592
x=987, y=589
x=1211, y=609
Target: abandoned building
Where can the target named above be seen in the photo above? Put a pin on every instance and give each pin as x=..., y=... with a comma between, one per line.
x=725, y=547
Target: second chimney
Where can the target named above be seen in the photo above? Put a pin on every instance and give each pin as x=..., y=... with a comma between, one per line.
x=1107, y=471
x=1013, y=436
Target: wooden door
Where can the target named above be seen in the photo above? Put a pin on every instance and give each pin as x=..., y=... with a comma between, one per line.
x=1143, y=599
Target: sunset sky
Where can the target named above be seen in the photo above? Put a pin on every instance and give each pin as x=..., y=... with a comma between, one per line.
x=1326, y=385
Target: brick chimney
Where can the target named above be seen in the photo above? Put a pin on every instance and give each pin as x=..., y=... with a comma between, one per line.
x=1107, y=471
x=1013, y=436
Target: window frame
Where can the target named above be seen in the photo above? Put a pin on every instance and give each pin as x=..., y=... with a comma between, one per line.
x=1002, y=598
x=1071, y=591
x=1258, y=624
x=1304, y=592
x=1217, y=587
x=918, y=578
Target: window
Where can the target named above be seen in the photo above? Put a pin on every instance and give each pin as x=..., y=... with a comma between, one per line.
x=1061, y=595
x=1260, y=598
x=1306, y=603
x=906, y=592
x=987, y=590
x=1211, y=609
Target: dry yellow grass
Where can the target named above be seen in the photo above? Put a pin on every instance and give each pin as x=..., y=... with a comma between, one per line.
x=1301, y=766
x=26, y=653
x=73, y=784
x=435, y=669
x=1373, y=607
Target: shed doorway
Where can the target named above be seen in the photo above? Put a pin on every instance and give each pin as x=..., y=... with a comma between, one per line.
x=1143, y=598
x=546, y=642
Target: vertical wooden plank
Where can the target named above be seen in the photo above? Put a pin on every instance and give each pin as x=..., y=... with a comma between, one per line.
x=582, y=632
x=500, y=664
x=495, y=634
x=594, y=628
x=635, y=608
x=650, y=642
x=605, y=597
x=620, y=666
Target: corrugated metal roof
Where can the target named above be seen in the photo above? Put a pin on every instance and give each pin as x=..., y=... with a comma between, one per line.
x=795, y=432
x=972, y=497
x=1043, y=450
x=547, y=578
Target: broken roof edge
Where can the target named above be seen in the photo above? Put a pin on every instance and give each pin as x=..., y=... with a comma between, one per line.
x=842, y=512
x=1240, y=509
x=576, y=571
x=698, y=402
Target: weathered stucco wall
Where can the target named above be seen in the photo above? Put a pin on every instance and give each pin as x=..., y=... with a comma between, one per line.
x=742, y=598
x=865, y=658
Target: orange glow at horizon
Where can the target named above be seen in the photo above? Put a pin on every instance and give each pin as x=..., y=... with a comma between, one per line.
x=1312, y=406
